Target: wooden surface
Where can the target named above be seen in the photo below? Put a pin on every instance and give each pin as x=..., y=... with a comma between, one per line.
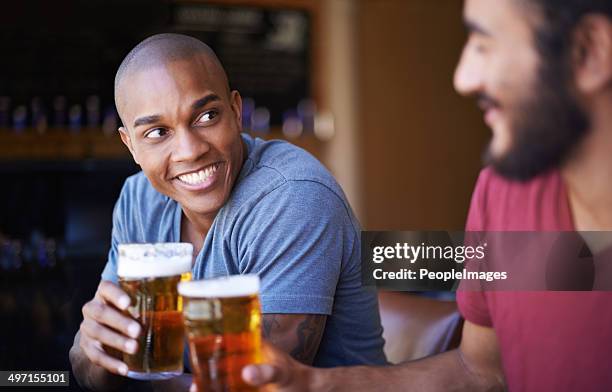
x=92, y=143
x=58, y=145
x=421, y=143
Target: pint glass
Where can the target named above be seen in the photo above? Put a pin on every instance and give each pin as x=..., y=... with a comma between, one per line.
x=223, y=326
x=150, y=274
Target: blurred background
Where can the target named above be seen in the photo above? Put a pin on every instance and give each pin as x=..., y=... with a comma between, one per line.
x=364, y=85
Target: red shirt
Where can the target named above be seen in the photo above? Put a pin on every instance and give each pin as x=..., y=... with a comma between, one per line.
x=549, y=341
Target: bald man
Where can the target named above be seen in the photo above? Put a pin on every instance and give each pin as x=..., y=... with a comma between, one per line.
x=246, y=205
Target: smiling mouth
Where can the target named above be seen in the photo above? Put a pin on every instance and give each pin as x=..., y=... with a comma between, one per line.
x=200, y=176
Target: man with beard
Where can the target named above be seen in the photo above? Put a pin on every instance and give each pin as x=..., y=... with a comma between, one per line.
x=542, y=73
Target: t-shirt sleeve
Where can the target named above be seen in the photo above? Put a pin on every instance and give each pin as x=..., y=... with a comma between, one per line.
x=117, y=233
x=473, y=304
x=296, y=238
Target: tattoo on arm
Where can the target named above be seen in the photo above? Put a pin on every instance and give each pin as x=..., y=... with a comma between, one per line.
x=309, y=334
x=270, y=322
x=297, y=334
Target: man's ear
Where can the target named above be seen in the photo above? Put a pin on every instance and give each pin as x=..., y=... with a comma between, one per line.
x=236, y=102
x=125, y=138
x=592, y=53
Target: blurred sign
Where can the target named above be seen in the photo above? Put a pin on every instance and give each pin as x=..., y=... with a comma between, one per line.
x=266, y=52
x=70, y=50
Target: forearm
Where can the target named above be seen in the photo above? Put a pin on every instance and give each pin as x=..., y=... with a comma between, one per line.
x=94, y=378
x=445, y=372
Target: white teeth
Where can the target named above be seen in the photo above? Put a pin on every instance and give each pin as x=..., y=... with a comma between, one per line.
x=200, y=176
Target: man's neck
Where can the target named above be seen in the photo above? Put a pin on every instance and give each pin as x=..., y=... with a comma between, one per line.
x=198, y=223
x=588, y=176
x=194, y=228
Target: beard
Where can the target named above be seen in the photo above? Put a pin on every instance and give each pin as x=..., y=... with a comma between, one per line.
x=546, y=129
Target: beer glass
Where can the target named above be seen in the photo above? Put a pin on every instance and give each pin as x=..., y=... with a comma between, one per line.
x=223, y=326
x=150, y=274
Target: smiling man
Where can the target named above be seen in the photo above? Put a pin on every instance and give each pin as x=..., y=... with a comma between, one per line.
x=247, y=206
x=542, y=73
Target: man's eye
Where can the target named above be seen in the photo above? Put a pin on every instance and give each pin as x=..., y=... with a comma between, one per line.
x=207, y=117
x=156, y=133
x=478, y=44
x=480, y=48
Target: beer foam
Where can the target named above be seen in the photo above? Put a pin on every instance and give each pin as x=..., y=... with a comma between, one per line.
x=224, y=287
x=154, y=260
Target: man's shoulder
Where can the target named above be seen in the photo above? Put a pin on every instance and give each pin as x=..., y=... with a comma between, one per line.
x=138, y=186
x=289, y=161
x=137, y=181
x=138, y=197
x=279, y=174
x=278, y=165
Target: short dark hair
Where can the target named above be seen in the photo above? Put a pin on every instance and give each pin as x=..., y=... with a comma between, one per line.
x=559, y=18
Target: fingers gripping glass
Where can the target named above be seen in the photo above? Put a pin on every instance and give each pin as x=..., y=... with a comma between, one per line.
x=150, y=274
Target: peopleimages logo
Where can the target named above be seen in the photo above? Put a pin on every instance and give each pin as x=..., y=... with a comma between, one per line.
x=412, y=253
x=486, y=260
x=425, y=260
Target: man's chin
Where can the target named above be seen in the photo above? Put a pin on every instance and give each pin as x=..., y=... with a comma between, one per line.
x=517, y=165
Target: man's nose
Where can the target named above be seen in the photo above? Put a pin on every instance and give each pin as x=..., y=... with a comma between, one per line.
x=188, y=145
x=468, y=74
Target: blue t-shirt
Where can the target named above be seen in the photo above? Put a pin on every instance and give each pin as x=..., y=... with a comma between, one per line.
x=286, y=220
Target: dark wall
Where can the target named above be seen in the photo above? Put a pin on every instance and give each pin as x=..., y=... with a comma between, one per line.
x=55, y=225
x=70, y=48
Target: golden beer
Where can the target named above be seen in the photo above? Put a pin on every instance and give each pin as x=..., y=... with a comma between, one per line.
x=150, y=274
x=223, y=326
